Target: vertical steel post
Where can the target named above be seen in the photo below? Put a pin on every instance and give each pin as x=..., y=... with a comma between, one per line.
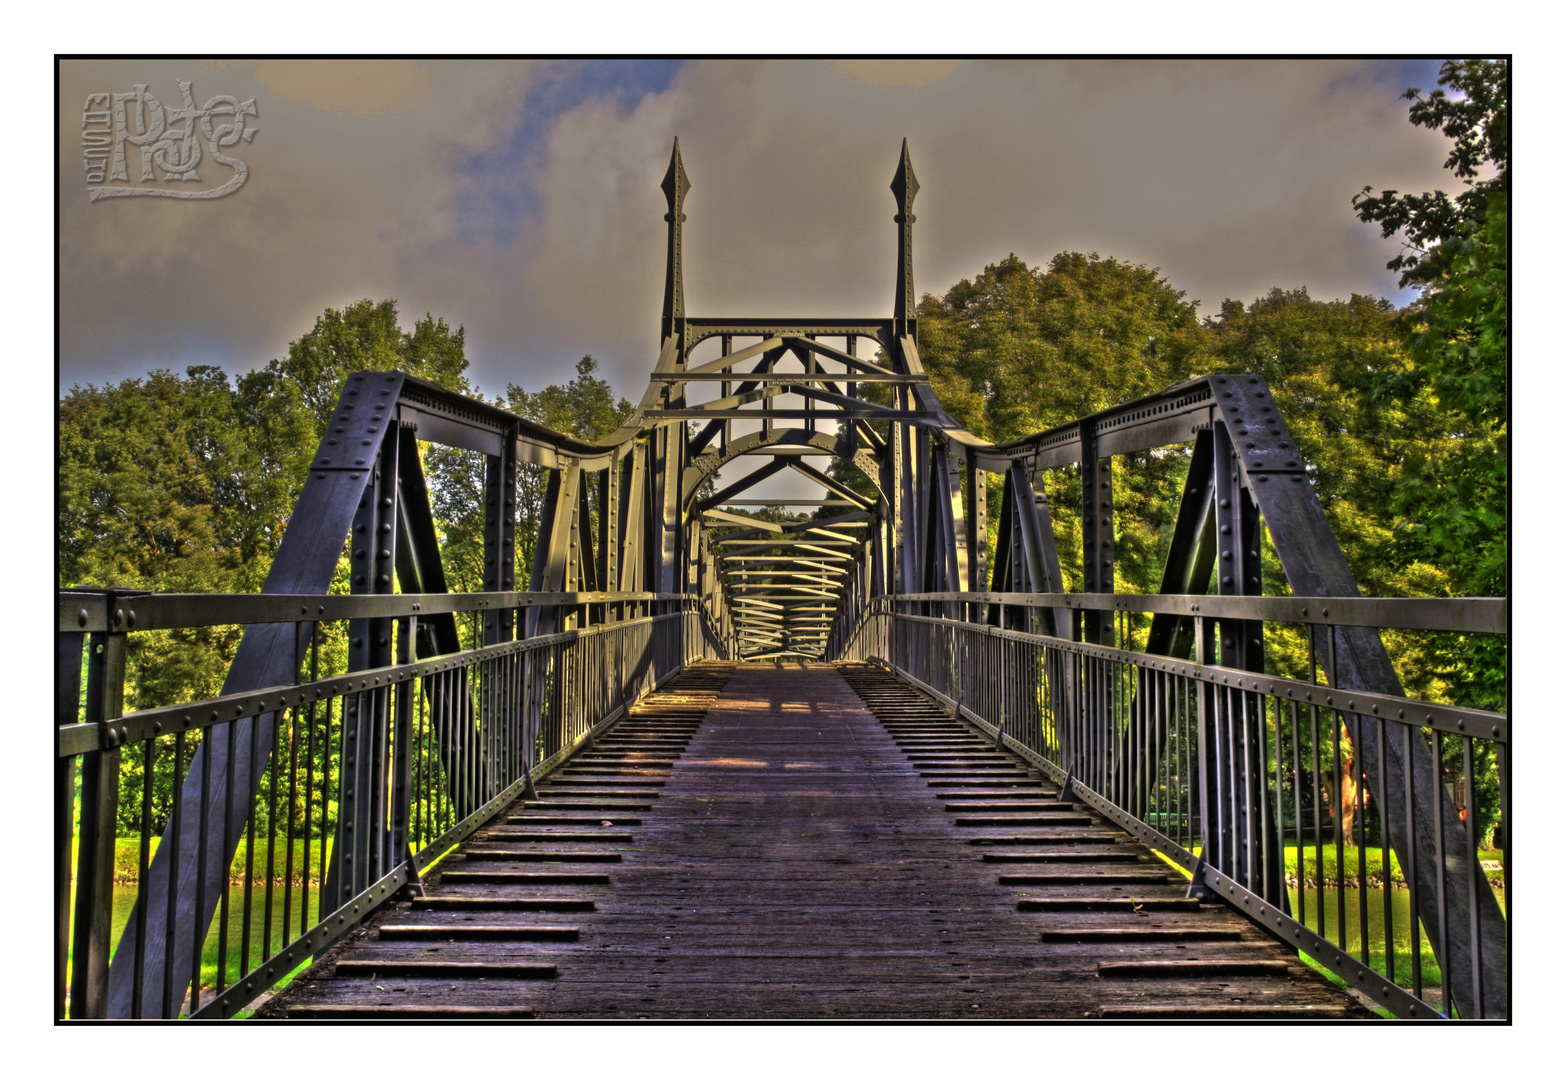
x=100, y=792
x=1098, y=534
x=1238, y=539
x=67, y=710
x=1209, y=802
x=402, y=749
x=500, y=516
x=371, y=559
x=978, y=527
x=608, y=534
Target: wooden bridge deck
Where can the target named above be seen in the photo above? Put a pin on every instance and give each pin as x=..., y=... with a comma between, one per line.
x=790, y=853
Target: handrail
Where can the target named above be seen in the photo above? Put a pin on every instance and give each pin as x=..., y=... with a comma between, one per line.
x=168, y=611
x=1232, y=773
x=1467, y=614
x=86, y=736
x=1393, y=708
x=360, y=779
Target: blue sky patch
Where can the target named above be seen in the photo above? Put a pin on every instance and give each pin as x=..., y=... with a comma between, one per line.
x=500, y=195
x=1395, y=76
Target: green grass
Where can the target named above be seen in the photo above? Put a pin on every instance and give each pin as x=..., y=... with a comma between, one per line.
x=124, y=903
x=1353, y=935
x=1294, y=858
x=127, y=856
x=1374, y=870
x=126, y=861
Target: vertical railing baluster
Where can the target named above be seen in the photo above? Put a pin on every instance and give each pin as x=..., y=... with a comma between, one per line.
x=1383, y=810
x=321, y=900
x=198, y=929
x=402, y=747
x=143, y=860
x=250, y=869
x=225, y=880
x=1299, y=812
x=69, y=656
x=1316, y=793
x=1472, y=872
x=1443, y=951
x=1362, y=840
x=100, y=792
x=291, y=836
x=1339, y=831
x=170, y=1006
x=309, y=772
x=1411, y=872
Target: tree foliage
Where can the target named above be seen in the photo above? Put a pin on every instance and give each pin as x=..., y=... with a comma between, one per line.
x=1477, y=118
x=174, y=484
x=1451, y=502
x=586, y=407
x=1020, y=349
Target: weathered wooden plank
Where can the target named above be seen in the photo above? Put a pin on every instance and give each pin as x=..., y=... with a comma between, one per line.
x=795, y=863
x=471, y=932
x=444, y=969
x=404, y=1013
x=499, y=903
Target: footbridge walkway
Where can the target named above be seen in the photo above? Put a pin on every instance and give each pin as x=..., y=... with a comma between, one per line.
x=822, y=842
x=868, y=759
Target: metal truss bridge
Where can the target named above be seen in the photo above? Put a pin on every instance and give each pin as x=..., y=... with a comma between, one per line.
x=854, y=759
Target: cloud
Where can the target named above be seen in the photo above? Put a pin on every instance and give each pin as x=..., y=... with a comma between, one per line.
x=349, y=184
x=520, y=198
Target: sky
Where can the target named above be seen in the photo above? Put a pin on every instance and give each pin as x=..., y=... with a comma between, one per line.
x=520, y=199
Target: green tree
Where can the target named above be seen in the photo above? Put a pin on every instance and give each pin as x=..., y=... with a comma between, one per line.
x=365, y=336
x=1314, y=354
x=1018, y=350
x=142, y=466
x=139, y=463
x=298, y=391
x=1451, y=502
x=587, y=408
x=186, y=484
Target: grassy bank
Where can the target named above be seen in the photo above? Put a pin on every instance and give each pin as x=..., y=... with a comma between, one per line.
x=127, y=859
x=1301, y=866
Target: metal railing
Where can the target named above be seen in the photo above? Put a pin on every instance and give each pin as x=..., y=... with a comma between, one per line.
x=207, y=849
x=1341, y=821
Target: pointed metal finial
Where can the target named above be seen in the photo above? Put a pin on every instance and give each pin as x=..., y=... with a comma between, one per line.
x=905, y=186
x=675, y=185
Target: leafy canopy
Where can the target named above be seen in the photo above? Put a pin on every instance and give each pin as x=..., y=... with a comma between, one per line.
x=1451, y=502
